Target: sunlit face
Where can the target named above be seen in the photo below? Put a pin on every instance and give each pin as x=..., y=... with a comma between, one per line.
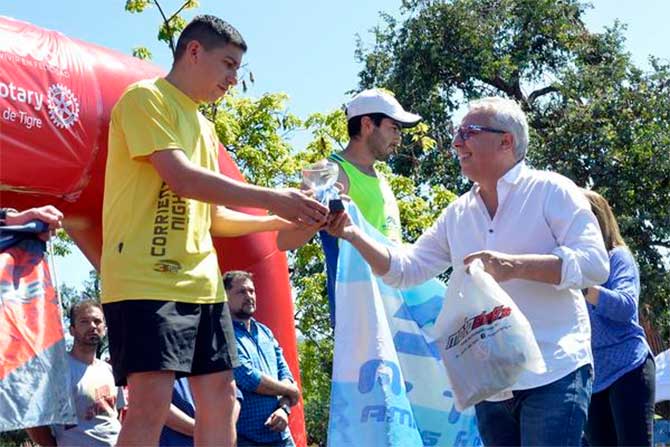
x=214, y=70
x=384, y=140
x=242, y=298
x=88, y=327
x=482, y=154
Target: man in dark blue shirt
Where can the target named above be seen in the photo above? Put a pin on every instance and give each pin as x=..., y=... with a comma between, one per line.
x=180, y=424
x=263, y=375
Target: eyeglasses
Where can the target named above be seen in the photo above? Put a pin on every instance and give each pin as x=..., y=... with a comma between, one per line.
x=466, y=132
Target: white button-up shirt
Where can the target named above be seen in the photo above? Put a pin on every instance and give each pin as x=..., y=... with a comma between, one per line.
x=539, y=212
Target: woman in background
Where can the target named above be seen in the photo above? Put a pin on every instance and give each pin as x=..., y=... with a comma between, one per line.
x=622, y=404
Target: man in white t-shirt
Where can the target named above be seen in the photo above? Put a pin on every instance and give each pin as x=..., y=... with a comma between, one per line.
x=536, y=235
x=96, y=397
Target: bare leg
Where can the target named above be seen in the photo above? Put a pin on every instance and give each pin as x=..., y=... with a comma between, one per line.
x=214, y=396
x=149, y=396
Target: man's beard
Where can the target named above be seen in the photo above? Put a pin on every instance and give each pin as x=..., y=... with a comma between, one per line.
x=379, y=150
x=382, y=153
x=90, y=341
x=244, y=314
x=382, y=157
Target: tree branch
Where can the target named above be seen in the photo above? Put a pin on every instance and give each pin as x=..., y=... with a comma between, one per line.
x=500, y=84
x=179, y=10
x=167, y=25
x=541, y=92
x=516, y=86
x=511, y=89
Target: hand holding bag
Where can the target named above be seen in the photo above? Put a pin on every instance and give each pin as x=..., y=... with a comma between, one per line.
x=485, y=341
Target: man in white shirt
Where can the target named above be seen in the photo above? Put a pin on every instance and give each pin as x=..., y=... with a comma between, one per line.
x=537, y=237
x=96, y=397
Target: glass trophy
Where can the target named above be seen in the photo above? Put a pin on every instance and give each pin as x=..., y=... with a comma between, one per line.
x=321, y=177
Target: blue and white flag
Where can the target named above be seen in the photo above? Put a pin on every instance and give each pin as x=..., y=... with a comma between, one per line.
x=389, y=385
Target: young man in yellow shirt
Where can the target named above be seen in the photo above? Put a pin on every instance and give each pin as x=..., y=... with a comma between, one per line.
x=161, y=286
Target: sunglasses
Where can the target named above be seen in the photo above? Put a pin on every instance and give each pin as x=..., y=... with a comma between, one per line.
x=467, y=132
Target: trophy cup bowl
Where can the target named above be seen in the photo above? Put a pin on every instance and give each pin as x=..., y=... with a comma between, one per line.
x=321, y=176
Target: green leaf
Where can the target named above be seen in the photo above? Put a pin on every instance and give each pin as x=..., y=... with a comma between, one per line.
x=168, y=31
x=136, y=6
x=142, y=53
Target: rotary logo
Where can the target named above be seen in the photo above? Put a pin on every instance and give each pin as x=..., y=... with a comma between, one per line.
x=63, y=106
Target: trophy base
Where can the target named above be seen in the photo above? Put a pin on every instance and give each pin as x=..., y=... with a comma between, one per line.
x=335, y=205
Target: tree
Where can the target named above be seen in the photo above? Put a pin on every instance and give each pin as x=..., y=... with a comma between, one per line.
x=594, y=116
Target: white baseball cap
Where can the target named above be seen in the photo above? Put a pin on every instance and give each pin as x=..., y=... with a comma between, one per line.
x=378, y=101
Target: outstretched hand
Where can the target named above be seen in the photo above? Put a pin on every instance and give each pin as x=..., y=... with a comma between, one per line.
x=298, y=207
x=340, y=225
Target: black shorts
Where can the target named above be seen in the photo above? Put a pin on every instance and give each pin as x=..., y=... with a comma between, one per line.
x=150, y=335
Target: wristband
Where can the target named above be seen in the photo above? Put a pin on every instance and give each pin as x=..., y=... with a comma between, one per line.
x=3, y=214
x=286, y=409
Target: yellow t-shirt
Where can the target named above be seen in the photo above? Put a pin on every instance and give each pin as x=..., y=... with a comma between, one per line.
x=156, y=245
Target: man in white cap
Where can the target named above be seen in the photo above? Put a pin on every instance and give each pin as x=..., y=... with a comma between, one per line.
x=374, y=121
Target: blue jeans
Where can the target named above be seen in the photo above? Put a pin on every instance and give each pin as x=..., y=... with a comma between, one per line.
x=623, y=413
x=550, y=415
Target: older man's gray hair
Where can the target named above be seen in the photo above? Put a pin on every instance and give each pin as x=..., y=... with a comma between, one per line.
x=505, y=114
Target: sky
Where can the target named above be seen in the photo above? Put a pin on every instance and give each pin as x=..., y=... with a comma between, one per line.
x=302, y=47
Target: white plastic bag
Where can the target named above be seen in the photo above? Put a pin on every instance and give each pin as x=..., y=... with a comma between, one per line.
x=485, y=341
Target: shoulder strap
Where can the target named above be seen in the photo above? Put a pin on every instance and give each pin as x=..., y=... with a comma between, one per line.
x=336, y=157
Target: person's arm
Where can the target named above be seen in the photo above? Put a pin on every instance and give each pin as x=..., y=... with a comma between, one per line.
x=402, y=266
x=284, y=375
x=249, y=378
x=273, y=387
x=231, y=223
x=48, y=214
x=619, y=300
x=120, y=402
x=188, y=180
x=41, y=436
x=151, y=135
x=579, y=260
x=584, y=260
x=180, y=422
x=503, y=267
x=374, y=253
x=295, y=238
x=278, y=420
x=283, y=371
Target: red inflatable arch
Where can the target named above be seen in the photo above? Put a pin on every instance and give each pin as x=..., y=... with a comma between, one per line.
x=56, y=95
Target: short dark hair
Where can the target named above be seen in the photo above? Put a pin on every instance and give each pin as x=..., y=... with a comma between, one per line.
x=82, y=305
x=354, y=124
x=233, y=275
x=211, y=32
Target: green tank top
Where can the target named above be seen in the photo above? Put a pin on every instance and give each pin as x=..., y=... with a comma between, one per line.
x=374, y=198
